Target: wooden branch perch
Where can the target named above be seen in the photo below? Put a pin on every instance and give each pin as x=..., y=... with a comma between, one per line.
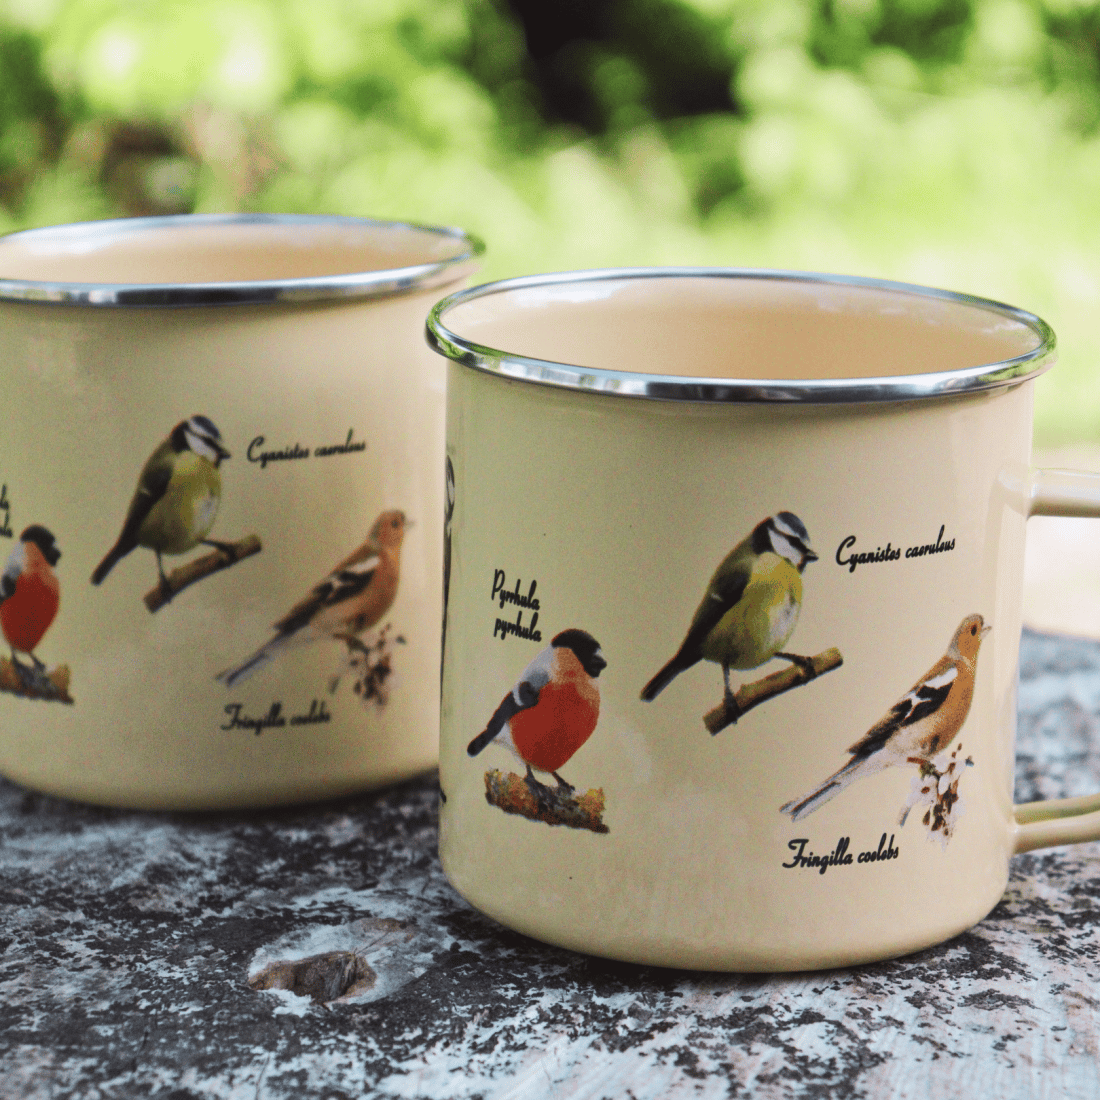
x=510, y=793
x=752, y=695
x=31, y=683
x=193, y=571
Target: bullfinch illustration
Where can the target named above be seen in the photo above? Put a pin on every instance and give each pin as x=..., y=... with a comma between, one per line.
x=349, y=601
x=750, y=608
x=29, y=592
x=177, y=497
x=552, y=711
x=919, y=726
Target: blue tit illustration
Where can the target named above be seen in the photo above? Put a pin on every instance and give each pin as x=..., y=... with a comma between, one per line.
x=750, y=608
x=177, y=498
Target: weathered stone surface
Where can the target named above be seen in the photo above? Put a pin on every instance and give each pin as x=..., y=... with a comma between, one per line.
x=127, y=942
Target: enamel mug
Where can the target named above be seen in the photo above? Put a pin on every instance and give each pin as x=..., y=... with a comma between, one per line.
x=733, y=605
x=220, y=507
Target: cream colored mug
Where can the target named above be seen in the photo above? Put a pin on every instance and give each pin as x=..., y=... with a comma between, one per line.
x=220, y=507
x=733, y=612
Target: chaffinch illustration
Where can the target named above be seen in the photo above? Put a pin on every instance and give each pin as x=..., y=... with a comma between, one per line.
x=750, y=607
x=29, y=592
x=552, y=710
x=177, y=498
x=350, y=600
x=919, y=726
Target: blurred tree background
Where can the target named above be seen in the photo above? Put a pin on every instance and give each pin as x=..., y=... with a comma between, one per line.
x=951, y=142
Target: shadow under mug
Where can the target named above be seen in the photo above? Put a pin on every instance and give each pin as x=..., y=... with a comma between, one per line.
x=221, y=507
x=733, y=612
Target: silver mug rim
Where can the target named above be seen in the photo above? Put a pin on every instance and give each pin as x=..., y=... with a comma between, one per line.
x=660, y=387
x=361, y=284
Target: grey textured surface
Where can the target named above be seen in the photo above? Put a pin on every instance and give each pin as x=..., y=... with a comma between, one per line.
x=126, y=942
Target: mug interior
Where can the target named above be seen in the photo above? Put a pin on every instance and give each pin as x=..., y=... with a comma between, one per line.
x=171, y=251
x=745, y=327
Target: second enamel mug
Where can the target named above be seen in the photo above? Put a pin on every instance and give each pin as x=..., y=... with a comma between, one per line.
x=733, y=603
x=220, y=507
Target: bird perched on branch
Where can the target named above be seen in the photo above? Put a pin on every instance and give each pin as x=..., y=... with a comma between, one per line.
x=750, y=607
x=177, y=497
x=919, y=726
x=552, y=710
x=29, y=592
x=350, y=600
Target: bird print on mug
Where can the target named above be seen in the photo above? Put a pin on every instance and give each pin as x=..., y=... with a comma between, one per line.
x=342, y=606
x=918, y=727
x=29, y=592
x=30, y=595
x=749, y=612
x=175, y=504
x=545, y=719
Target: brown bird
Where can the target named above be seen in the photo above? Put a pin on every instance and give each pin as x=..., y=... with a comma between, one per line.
x=350, y=600
x=919, y=726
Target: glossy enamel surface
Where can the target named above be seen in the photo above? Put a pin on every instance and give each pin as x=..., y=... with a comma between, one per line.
x=691, y=872
x=333, y=413
x=576, y=512
x=734, y=336
x=229, y=259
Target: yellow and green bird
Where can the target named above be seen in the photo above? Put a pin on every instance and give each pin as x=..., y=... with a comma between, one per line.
x=750, y=608
x=177, y=497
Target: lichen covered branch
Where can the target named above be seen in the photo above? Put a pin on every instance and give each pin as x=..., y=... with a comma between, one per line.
x=33, y=683
x=559, y=806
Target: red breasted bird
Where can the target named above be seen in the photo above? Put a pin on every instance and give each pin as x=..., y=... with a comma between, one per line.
x=553, y=709
x=350, y=600
x=29, y=592
x=918, y=727
x=750, y=608
x=177, y=497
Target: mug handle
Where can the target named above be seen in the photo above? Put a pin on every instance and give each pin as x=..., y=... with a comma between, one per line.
x=1060, y=820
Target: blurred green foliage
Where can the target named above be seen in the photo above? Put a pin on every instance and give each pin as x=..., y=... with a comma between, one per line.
x=951, y=142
